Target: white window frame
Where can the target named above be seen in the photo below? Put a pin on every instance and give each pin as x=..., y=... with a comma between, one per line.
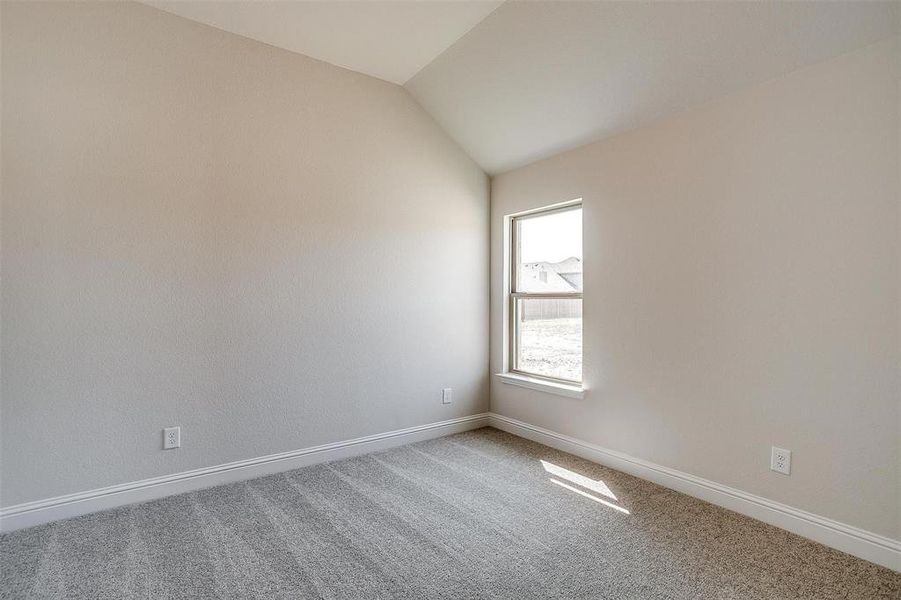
x=514, y=375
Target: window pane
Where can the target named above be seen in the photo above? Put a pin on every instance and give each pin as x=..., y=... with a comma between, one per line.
x=549, y=337
x=549, y=252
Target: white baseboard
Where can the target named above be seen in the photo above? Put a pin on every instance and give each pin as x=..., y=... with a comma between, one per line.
x=858, y=542
x=73, y=505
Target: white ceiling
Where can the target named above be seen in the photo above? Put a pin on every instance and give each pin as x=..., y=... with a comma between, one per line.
x=388, y=39
x=536, y=78
x=528, y=79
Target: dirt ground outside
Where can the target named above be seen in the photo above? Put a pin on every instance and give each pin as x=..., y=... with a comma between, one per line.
x=551, y=347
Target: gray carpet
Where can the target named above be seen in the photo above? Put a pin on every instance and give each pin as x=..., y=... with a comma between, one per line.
x=475, y=515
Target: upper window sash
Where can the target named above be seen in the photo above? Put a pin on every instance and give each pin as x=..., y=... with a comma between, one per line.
x=516, y=286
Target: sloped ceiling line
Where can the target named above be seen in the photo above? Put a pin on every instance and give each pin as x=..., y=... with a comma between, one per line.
x=513, y=82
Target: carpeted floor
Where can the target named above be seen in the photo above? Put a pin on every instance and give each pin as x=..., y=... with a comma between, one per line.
x=478, y=515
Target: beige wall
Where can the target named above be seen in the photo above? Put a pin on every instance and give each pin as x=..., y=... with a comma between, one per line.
x=741, y=289
x=205, y=231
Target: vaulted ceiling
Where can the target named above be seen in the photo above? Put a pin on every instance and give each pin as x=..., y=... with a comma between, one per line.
x=536, y=78
x=519, y=81
x=388, y=39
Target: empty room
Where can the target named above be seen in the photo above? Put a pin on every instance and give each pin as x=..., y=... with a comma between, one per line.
x=450, y=299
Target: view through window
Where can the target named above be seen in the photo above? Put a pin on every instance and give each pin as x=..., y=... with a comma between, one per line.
x=546, y=294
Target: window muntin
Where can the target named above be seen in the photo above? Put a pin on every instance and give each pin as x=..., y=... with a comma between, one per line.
x=546, y=294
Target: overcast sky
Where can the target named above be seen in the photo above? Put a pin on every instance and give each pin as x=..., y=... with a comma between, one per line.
x=551, y=238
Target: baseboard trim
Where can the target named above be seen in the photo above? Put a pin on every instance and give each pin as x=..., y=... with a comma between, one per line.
x=81, y=503
x=846, y=538
x=858, y=542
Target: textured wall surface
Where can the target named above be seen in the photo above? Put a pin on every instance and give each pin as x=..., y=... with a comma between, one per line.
x=205, y=231
x=741, y=289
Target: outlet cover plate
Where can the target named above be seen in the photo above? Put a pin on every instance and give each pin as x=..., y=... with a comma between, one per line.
x=171, y=438
x=781, y=461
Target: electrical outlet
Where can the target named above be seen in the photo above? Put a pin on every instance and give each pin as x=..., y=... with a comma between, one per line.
x=781, y=461
x=447, y=395
x=171, y=438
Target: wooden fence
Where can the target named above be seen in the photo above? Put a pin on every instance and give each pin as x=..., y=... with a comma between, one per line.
x=551, y=308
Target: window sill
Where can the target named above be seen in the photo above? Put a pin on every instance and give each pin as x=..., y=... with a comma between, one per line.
x=542, y=385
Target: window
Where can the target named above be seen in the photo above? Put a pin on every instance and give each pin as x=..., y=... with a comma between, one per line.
x=546, y=294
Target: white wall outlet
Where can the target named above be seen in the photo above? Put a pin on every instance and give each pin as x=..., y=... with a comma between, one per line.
x=781, y=461
x=447, y=395
x=171, y=438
